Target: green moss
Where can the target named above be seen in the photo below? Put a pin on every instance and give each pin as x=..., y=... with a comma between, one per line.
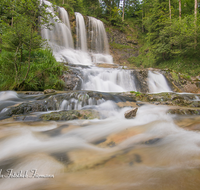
x=138, y=94
x=175, y=76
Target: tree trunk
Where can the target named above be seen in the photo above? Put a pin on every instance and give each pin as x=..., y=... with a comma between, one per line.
x=63, y=2
x=179, y=9
x=29, y=56
x=1, y=42
x=170, y=17
x=142, y=20
x=170, y=11
x=195, y=22
x=123, y=10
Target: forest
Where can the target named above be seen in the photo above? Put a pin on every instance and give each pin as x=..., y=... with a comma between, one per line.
x=169, y=37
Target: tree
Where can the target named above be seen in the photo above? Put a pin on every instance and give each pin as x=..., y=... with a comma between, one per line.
x=21, y=38
x=170, y=11
x=195, y=20
x=179, y=9
x=123, y=10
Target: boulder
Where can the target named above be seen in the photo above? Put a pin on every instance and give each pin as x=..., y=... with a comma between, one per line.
x=48, y=91
x=130, y=113
x=70, y=115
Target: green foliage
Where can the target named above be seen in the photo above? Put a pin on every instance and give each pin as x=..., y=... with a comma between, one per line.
x=44, y=72
x=23, y=64
x=138, y=94
x=168, y=43
x=175, y=76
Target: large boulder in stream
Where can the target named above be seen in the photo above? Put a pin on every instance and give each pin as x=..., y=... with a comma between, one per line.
x=130, y=113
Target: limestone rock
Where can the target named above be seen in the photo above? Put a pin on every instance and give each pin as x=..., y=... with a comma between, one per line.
x=131, y=113
x=70, y=115
x=48, y=91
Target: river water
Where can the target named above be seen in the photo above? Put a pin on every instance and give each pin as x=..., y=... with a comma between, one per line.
x=151, y=151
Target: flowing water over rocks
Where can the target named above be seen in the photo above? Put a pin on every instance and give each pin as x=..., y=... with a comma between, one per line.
x=80, y=138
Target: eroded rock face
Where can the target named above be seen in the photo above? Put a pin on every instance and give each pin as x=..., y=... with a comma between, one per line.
x=141, y=80
x=122, y=47
x=130, y=113
x=72, y=79
x=184, y=111
x=181, y=83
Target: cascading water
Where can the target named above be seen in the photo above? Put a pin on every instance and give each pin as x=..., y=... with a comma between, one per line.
x=98, y=41
x=64, y=17
x=59, y=35
x=108, y=80
x=60, y=39
x=81, y=37
x=157, y=83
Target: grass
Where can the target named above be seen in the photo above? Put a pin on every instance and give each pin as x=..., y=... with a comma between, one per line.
x=187, y=66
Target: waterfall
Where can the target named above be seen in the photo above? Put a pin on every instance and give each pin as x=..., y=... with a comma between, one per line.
x=98, y=41
x=64, y=17
x=81, y=38
x=157, y=83
x=97, y=36
x=59, y=38
x=59, y=35
x=108, y=80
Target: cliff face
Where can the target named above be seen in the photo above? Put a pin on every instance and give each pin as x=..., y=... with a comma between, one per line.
x=123, y=46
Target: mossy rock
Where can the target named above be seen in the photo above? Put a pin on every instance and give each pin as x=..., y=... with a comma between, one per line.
x=70, y=115
x=180, y=111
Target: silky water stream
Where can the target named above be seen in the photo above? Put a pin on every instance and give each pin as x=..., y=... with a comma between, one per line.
x=148, y=152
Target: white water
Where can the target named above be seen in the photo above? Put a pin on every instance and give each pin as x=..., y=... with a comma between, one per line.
x=108, y=80
x=59, y=38
x=64, y=17
x=33, y=146
x=98, y=41
x=81, y=37
x=59, y=34
x=157, y=83
x=8, y=95
x=79, y=103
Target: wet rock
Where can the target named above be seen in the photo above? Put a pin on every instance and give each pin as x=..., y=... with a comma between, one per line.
x=126, y=104
x=141, y=77
x=34, y=92
x=49, y=91
x=180, y=82
x=70, y=115
x=72, y=79
x=130, y=113
x=106, y=65
x=184, y=111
